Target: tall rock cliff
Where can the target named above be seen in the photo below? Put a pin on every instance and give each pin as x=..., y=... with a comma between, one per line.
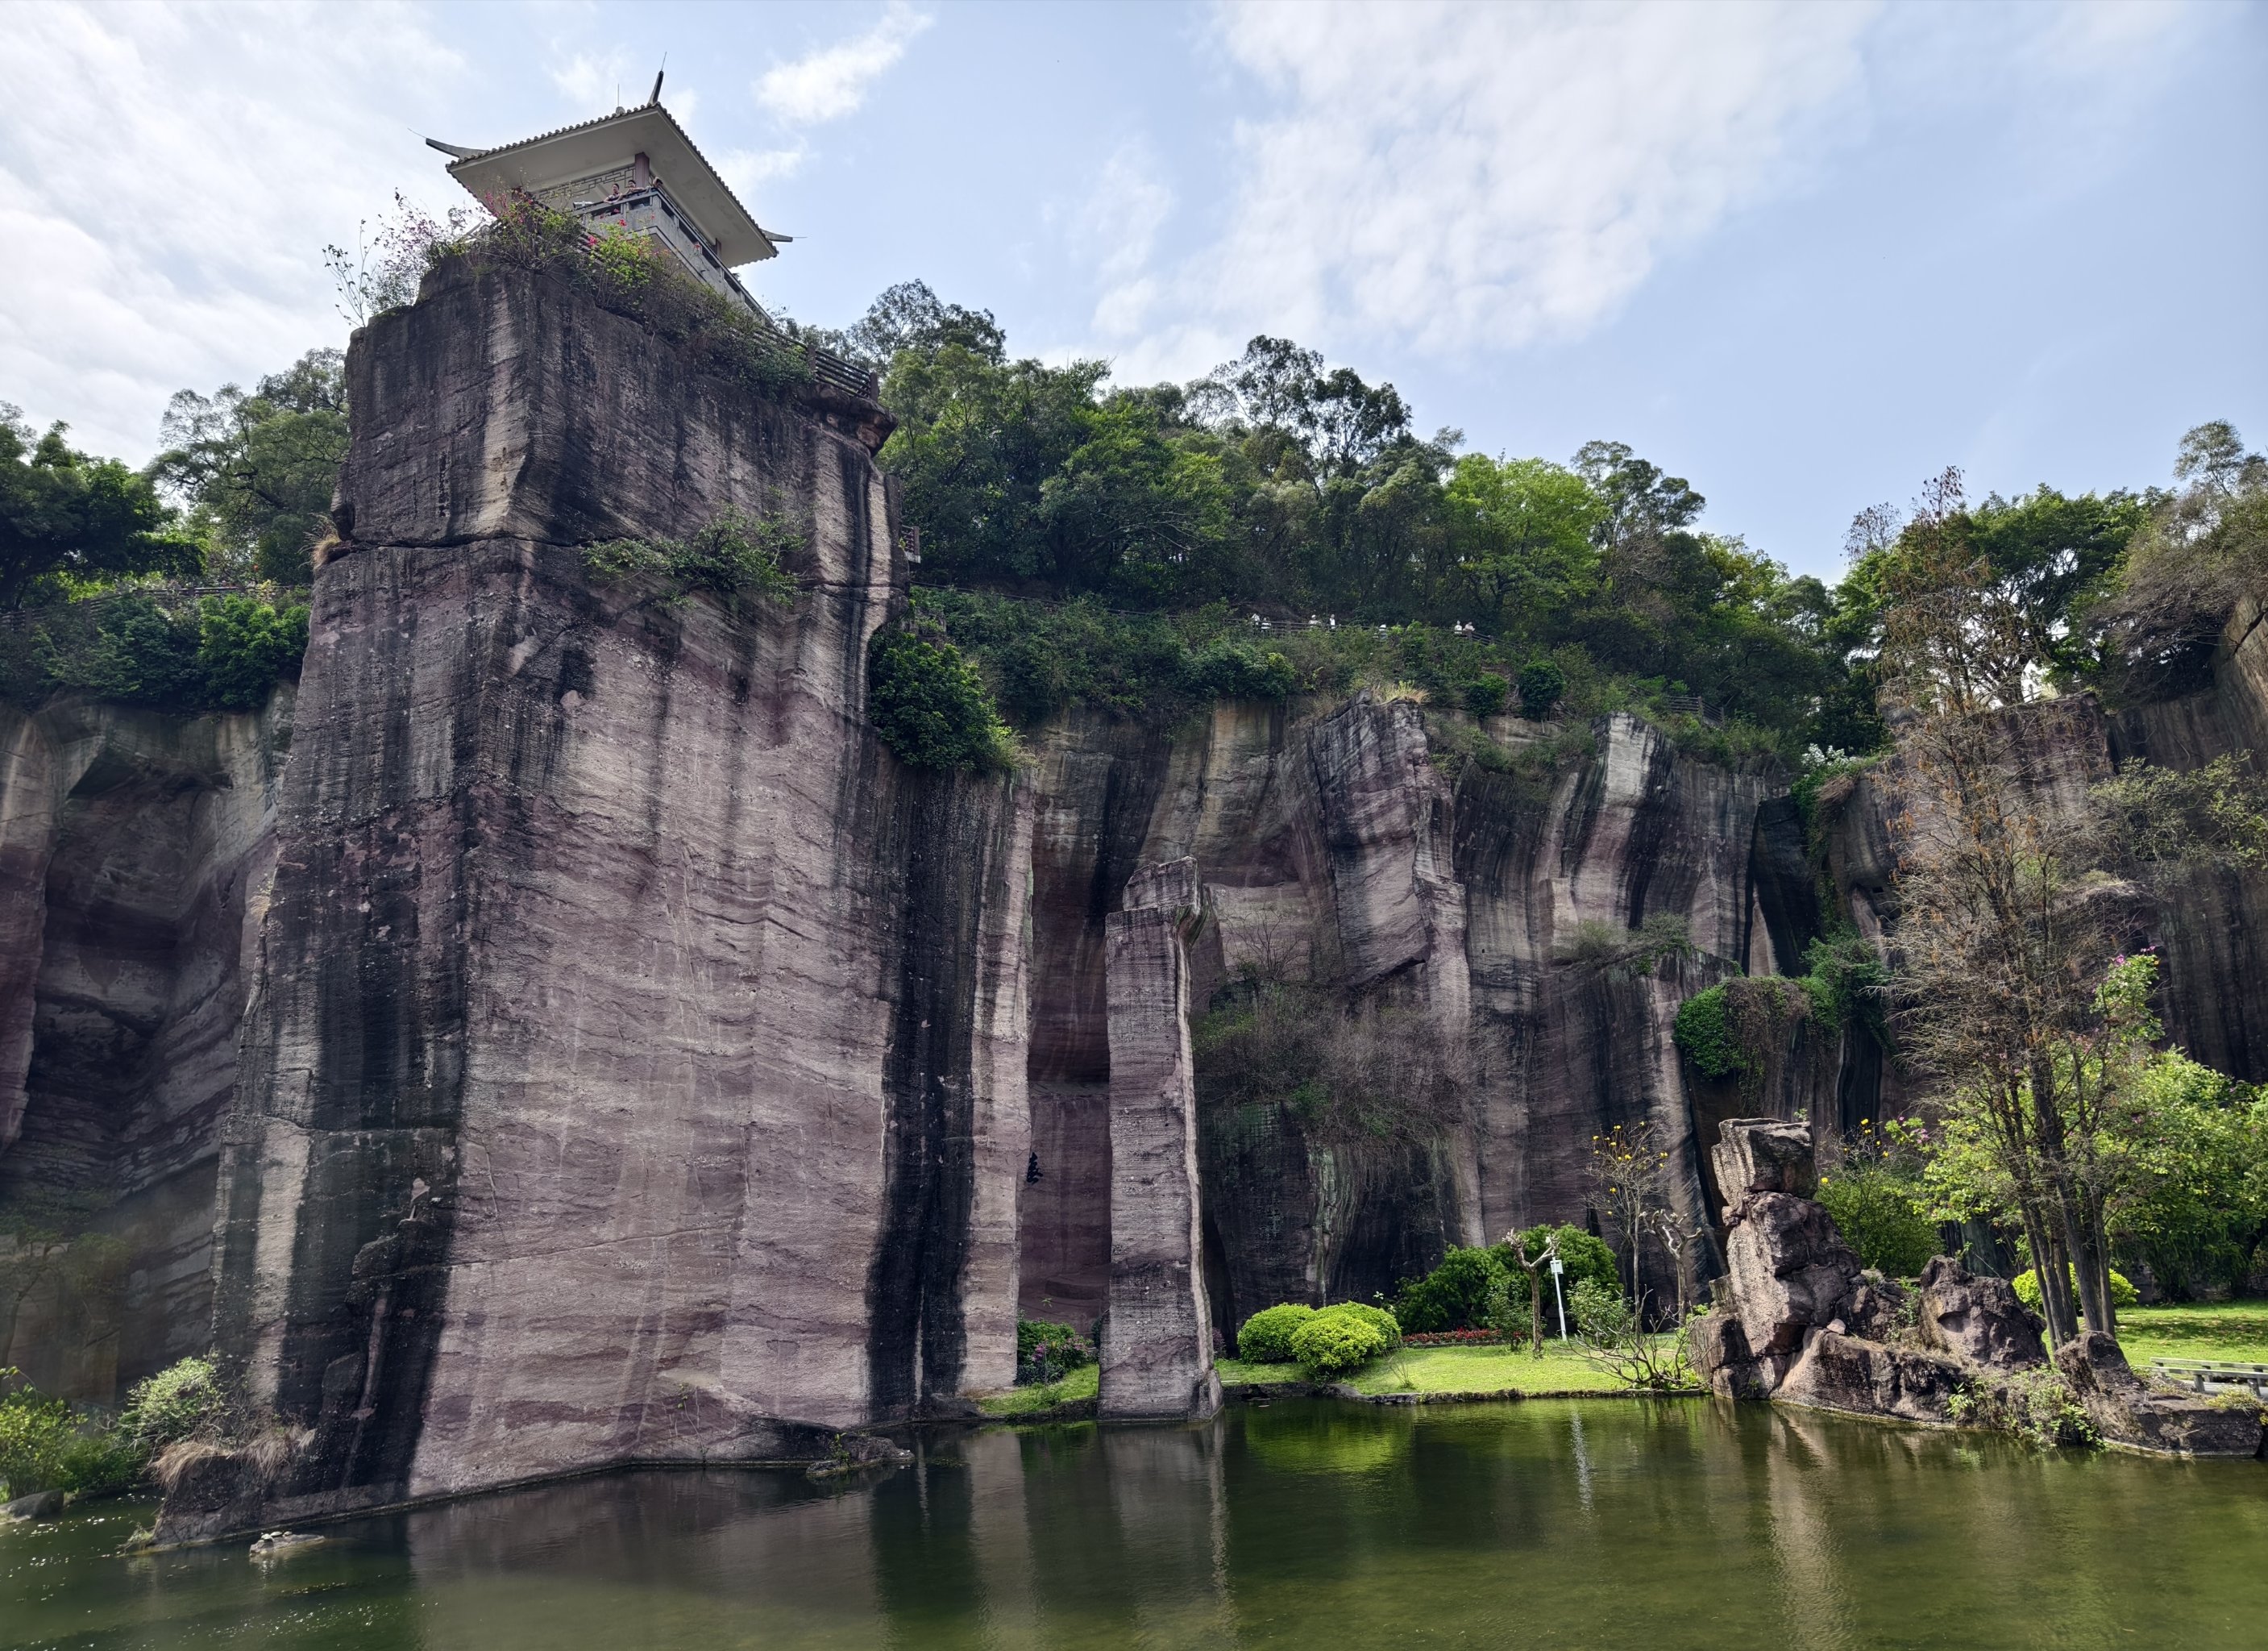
x=636, y=1065
x=559, y=1034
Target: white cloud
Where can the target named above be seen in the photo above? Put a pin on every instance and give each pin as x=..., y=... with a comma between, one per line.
x=747, y=169
x=168, y=178
x=1455, y=177
x=593, y=81
x=833, y=82
x=1116, y=229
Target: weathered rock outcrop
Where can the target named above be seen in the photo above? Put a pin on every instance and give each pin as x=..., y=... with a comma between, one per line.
x=2128, y=1413
x=1333, y=848
x=1799, y=1320
x=1157, y=1341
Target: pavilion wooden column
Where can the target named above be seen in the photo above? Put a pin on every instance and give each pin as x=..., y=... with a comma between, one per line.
x=1157, y=1342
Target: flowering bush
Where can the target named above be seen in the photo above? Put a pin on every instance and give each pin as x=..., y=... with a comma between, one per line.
x=1048, y=1351
x=1452, y=1338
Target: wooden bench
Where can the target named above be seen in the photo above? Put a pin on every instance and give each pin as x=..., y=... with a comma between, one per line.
x=2213, y=1375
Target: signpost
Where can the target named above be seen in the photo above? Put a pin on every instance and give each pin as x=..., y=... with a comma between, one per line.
x=1558, y=1295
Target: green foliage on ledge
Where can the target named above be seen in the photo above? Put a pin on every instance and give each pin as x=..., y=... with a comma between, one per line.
x=169, y=650
x=734, y=560
x=930, y=706
x=1731, y=1028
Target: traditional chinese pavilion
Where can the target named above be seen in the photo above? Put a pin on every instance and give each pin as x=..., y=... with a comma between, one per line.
x=637, y=170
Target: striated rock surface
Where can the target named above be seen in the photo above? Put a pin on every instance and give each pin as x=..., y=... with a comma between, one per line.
x=636, y=1069
x=1157, y=1342
x=1764, y=1155
x=1333, y=848
x=135, y=850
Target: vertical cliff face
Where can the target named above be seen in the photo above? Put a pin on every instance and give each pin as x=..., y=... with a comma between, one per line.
x=2203, y=919
x=1332, y=848
x=135, y=849
x=636, y=1068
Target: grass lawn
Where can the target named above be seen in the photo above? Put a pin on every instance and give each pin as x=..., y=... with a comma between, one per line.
x=1079, y=1384
x=2235, y=1330
x=1454, y=1370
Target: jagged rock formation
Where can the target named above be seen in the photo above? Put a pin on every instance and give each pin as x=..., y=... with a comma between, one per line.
x=1157, y=1342
x=1799, y=1321
x=2128, y=1413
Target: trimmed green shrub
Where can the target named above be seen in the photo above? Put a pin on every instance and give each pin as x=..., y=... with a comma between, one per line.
x=1266, y=1337
x=930, y=707
x=1340, y=1338
x=1466, y=1291
x=2122, y=1293
x=1378, y=1318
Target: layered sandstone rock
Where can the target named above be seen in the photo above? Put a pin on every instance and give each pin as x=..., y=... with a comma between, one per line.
x=637, y=1071
x=1156, y=1343
x=1333, y=848
x=135, y=849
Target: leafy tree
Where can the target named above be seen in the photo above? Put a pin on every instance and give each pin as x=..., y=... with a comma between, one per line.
x=259, y=470
x=67, y=517
x=1466, y=1291
x=2035, y=564
x=2202, y=550
x=1522, y=531
x=911, y=317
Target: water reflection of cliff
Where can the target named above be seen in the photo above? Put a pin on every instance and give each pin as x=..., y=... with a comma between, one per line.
x=1539, y=1524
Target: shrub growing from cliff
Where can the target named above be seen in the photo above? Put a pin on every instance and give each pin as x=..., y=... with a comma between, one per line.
x=930, y=707
x=734, y=560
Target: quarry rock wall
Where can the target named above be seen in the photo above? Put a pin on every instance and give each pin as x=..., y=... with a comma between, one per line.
x=558, y=1033
x=636, y=1069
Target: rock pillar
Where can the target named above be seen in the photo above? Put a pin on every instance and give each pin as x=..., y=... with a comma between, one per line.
x=1157, y=1344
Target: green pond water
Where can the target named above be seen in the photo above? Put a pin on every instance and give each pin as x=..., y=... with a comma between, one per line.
x=1310, y=1524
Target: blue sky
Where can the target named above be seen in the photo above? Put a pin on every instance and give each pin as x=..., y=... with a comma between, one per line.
x=1804, y=257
